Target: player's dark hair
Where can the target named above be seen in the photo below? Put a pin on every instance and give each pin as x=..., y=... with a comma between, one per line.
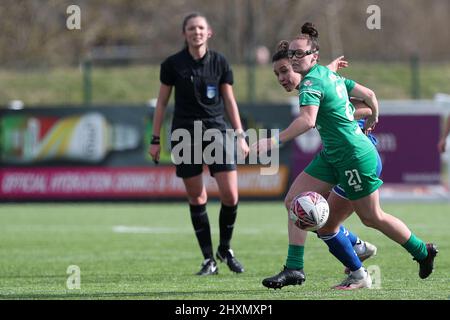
x=310, y=33
x=282, y=51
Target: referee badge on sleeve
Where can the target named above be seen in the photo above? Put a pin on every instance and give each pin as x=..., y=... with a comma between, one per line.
x=211, y=91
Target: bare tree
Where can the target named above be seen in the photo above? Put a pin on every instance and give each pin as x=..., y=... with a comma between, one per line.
x=34, y=32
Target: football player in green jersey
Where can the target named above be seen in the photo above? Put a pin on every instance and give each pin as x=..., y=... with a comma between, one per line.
x=348, y=158
x=337, y=200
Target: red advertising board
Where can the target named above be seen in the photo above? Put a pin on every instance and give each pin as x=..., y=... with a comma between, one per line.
x=46, y=183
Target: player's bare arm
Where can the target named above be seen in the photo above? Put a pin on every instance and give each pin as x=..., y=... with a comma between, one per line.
x=370, y=99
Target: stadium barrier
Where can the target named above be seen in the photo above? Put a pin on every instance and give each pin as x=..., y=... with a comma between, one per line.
x=100, y=153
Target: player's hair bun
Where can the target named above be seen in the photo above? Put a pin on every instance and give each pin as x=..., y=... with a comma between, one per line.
x=309, y=29
x=283, y=45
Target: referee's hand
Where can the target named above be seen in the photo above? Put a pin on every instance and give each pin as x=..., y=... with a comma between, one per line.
x=154, y=152
x=243, y=149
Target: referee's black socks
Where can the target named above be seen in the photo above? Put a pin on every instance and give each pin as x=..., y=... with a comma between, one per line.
x=200, y=221
x=227, y=217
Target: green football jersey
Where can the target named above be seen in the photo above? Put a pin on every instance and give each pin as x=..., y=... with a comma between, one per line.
x=342, y=138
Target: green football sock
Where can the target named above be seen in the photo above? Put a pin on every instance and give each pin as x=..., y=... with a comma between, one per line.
x=295, y=257
x=416, y=247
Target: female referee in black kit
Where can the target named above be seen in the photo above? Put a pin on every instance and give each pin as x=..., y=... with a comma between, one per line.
x=202, y=79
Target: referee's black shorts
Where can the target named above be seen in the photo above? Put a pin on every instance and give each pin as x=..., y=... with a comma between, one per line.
x=195, y=163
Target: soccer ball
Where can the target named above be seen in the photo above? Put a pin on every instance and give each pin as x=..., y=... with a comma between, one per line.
x=309, y=211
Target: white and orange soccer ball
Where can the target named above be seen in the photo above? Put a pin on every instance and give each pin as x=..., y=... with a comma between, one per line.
x=309, y=211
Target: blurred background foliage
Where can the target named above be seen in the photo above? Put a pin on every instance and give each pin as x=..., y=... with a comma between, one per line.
x=40, y=59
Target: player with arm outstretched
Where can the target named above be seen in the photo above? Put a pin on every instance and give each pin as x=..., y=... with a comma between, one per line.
x=339, y=204
x=348, y=157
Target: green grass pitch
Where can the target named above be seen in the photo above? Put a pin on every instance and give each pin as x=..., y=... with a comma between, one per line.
x=148, y=251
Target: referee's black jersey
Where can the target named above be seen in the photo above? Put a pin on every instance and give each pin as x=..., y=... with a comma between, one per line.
x=197, y=83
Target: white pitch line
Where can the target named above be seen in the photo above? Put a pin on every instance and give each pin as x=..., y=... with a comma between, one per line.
x=157, y=230
x=168, y=230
